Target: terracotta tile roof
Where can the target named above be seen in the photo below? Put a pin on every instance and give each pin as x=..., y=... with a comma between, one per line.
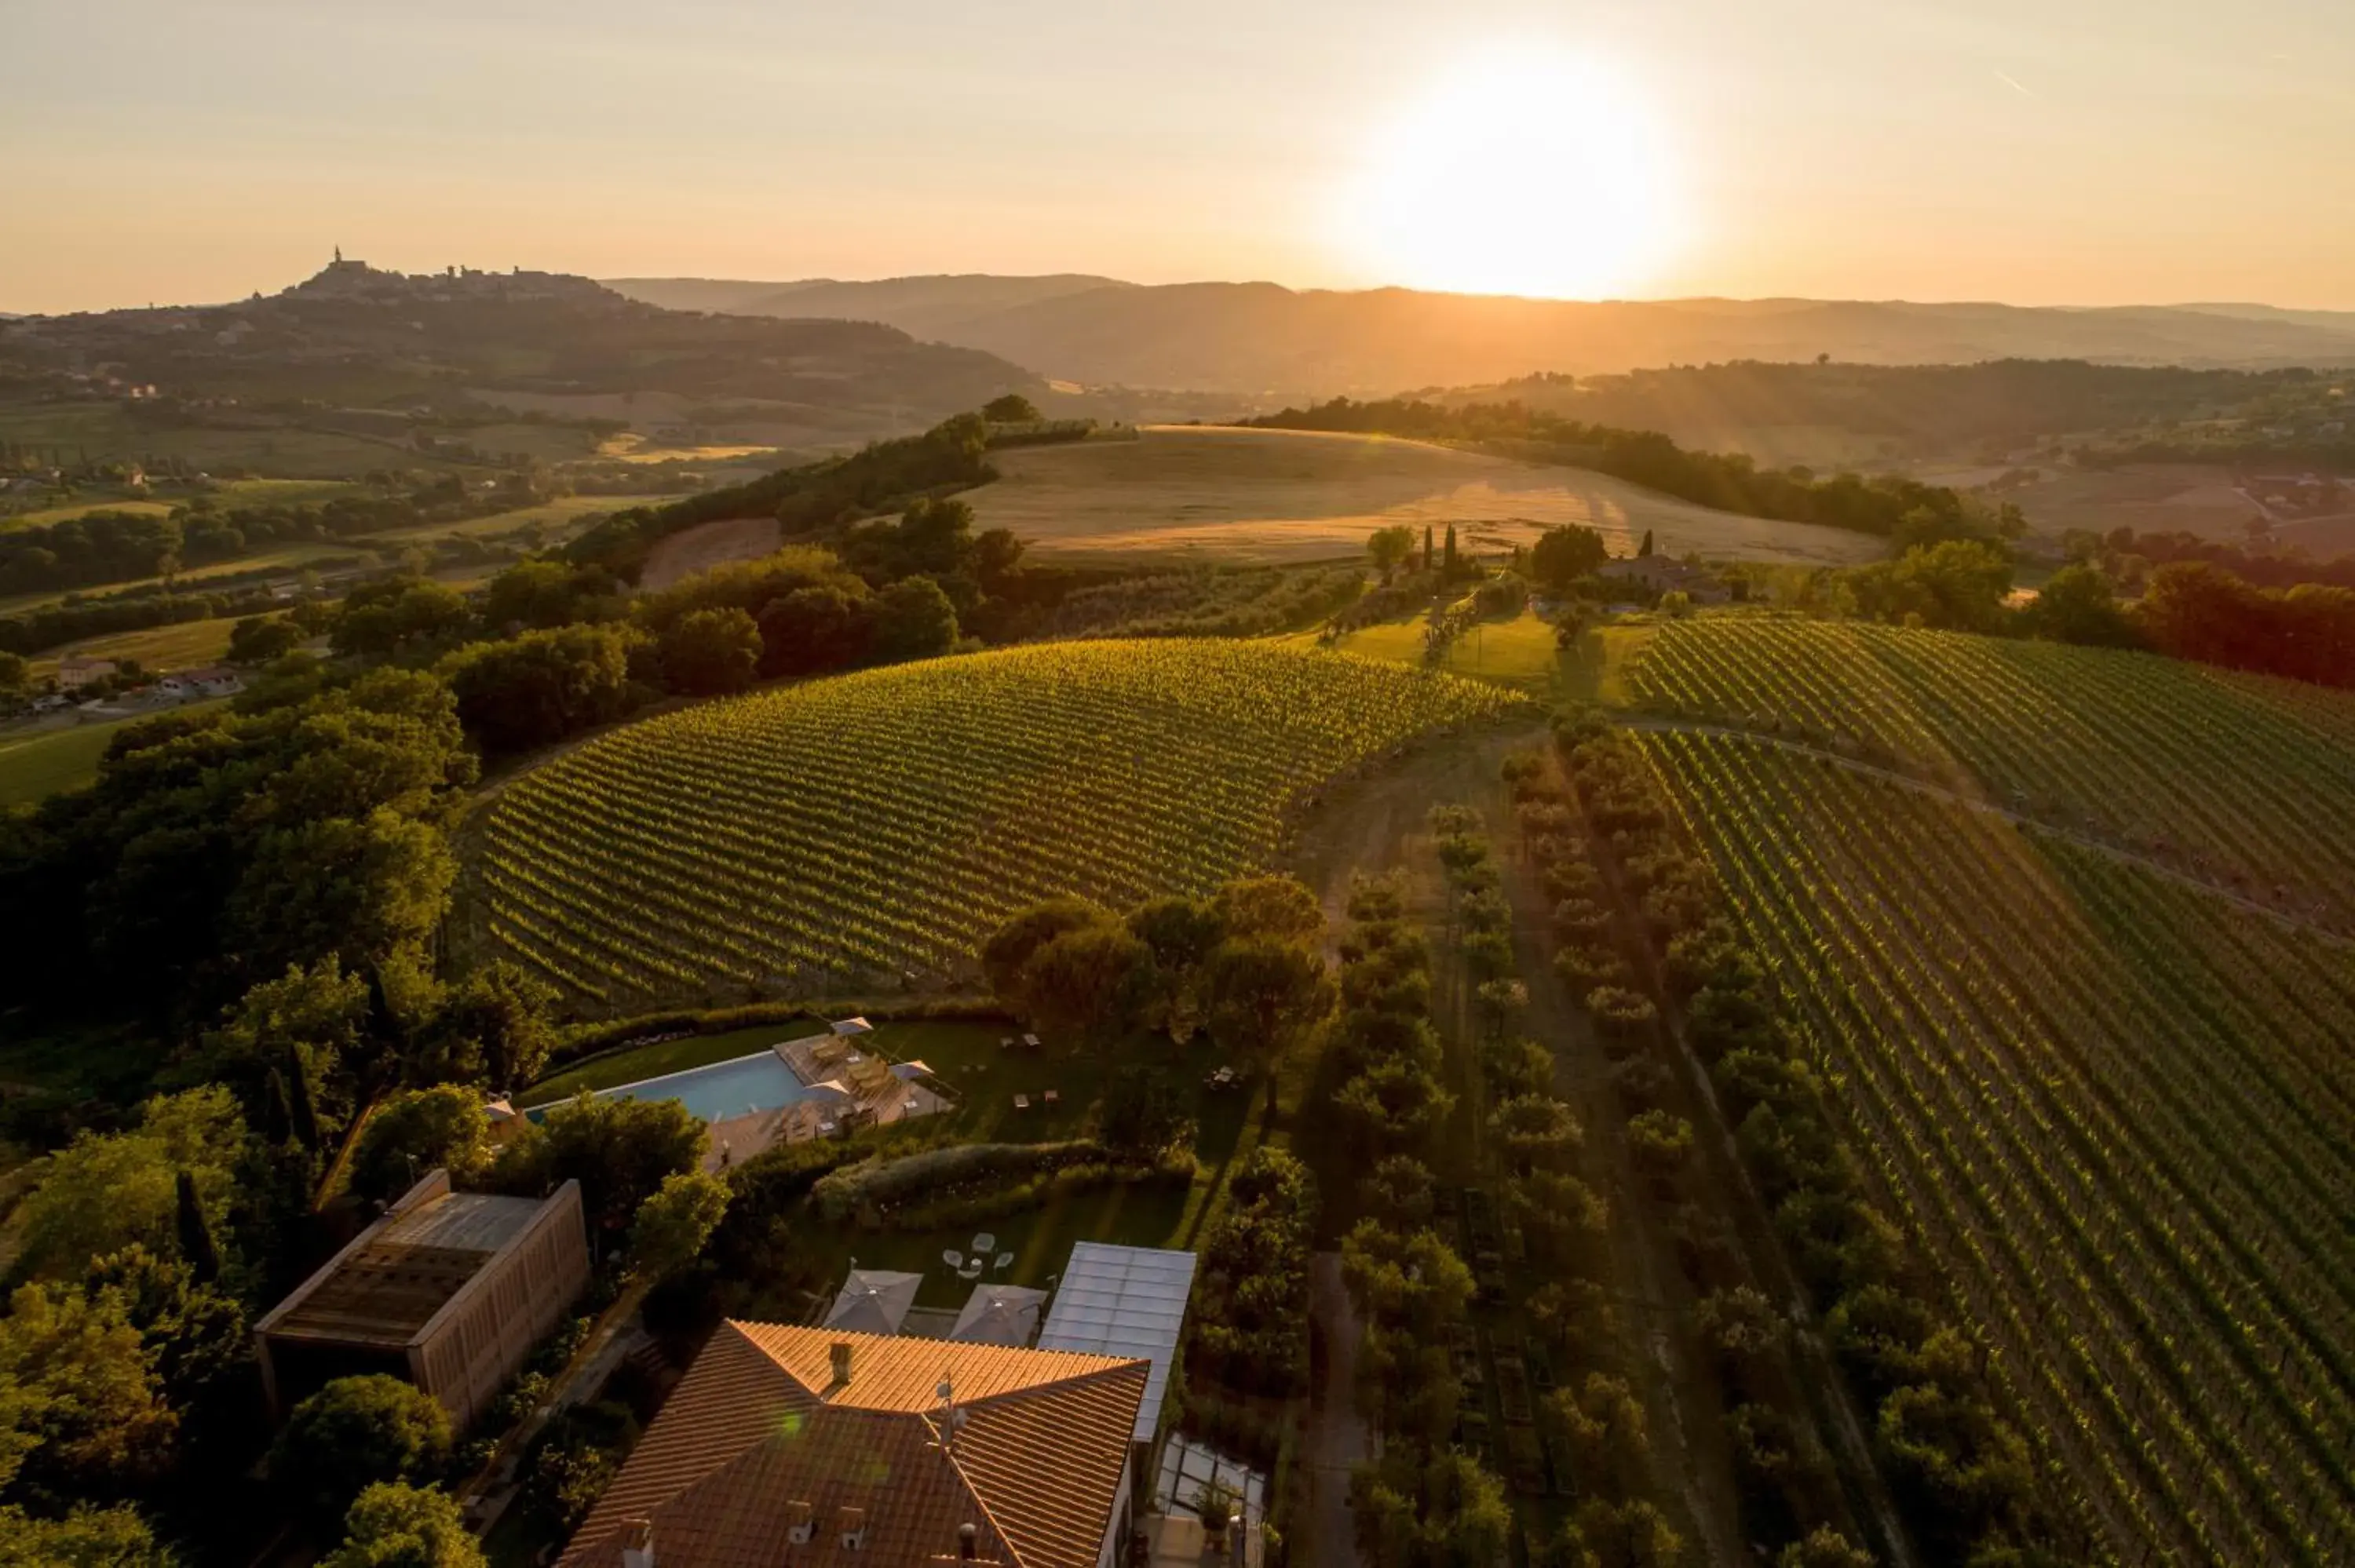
x=759, y=1426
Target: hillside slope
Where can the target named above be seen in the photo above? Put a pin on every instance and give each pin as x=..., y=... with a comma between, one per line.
x=1260, y=339
x=2114, y=1110
x=1264, y=495
x=875, y=825
x=2244, y=782
x=2063, y=931
x=369, y=349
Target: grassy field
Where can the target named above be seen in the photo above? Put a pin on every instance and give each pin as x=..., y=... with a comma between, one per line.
x=2150, y=498
x=879, y=823
x=281, y=450
x=72, y=510
x=705, y=545
x=557, y=516
x=281, y=558
x=2115, y=1107
x=1520, y=653
x=36, y=766
x=33, y=767
x=231, y=494
x=2243, y=781
x=1213, y=493
x=185, y=645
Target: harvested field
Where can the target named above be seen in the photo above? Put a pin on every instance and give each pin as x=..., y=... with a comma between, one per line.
x=705, y=545
x=1228, y=494
x=2149, y=498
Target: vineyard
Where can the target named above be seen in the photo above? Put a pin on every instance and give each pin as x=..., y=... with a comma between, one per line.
x=883, y=821
x=2116, y=1109
x=2239, y=780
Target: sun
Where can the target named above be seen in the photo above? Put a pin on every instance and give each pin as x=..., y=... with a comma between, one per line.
x=1528, y=172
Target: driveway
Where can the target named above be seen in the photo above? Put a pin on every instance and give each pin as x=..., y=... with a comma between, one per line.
x=1337, y=1439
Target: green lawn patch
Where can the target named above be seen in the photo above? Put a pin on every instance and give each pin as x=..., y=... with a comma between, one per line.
x=636, y=1064
x=40, y=766
x=1152, y=1214
x=1519, y=653
x=73, y=509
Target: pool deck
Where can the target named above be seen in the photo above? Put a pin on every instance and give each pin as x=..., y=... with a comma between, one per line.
x=845, y=1084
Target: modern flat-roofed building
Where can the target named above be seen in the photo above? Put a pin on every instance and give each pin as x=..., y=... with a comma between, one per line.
x=787, y=1446
x=447, y=1291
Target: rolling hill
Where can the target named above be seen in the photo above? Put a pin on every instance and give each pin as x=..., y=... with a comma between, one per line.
x=880, y=824
x=1261, y=340
x=378, y=356
x=1228, y=494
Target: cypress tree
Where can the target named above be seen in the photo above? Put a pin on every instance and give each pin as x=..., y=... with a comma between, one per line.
x=306, y=1105
x=1451, y=549
x=277, y=1110
x=1426, y=546
x=196, y=1248
x=1645, y=548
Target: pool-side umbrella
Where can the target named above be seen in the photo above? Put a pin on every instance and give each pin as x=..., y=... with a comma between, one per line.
x=874, y=1301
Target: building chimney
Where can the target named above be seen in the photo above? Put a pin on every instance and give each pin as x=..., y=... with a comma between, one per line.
x=851, y=1522
x=967, y=1535
x=841, y=1351
x=799, y=1523
x=638, y=1544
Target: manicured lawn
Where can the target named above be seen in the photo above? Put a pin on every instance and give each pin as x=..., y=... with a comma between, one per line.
x=1398, y=641
x=1519, y=652
x=1158, y=1213
x=1516, y=652
x=1150, y=1214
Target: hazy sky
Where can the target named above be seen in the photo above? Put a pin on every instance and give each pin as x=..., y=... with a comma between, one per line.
x=2035, y=151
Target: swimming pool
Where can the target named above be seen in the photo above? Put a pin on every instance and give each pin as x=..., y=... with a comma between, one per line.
x=760, y=1082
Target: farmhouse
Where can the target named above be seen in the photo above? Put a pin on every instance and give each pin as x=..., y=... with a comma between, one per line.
x=819, y=1446
x=1663, y=574
x=449, y=1290
x=75, y=671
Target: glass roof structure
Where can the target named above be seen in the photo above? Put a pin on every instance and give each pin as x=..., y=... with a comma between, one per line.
x=1124, y=1301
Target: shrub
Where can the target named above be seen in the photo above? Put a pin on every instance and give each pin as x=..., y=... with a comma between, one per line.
x=1659, y=1142
x=352, y=1433
x=878, y=1191
x=412, y=1133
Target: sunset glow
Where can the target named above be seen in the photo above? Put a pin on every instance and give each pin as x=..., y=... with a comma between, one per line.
x=1520, y=171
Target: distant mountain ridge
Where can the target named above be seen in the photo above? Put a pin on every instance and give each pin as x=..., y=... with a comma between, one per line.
x=1262, y=340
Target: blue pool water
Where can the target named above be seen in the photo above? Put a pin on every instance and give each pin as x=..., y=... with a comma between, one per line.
x=756, y=1082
